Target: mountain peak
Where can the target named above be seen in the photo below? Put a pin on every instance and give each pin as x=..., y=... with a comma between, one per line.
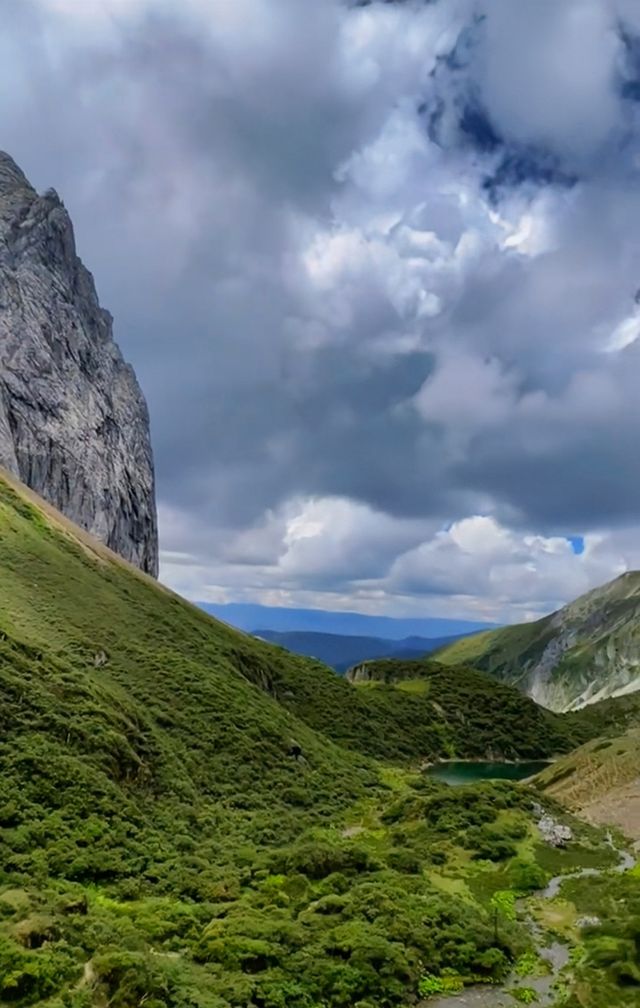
x=12, y=177
x=73, y=421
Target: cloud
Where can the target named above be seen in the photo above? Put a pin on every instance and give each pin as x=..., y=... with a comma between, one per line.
x=376, y=268
x=334, y=553
x=546, y=71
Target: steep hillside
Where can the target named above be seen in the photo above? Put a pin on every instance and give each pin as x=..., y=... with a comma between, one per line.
x=110, y=681
x=177, y=829
x=172, y=835
x=601, y=781
x=341, y=651
x=585, y=652
x=470, y=715
x=73, y=421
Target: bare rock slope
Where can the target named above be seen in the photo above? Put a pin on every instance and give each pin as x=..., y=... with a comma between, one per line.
x=73, y=422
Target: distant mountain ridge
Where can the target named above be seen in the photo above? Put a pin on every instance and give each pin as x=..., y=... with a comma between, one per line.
x=284, y=619
x=587, y=651
x=341, y=651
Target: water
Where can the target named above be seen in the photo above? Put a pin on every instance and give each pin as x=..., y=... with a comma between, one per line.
x=556, y=954
x=468, y=773
x=627, y=861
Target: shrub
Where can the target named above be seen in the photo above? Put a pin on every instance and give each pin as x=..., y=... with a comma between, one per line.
x=405, y=861
x=490, y=845
x=525, y=995
x=316, y=859
x=526, y=876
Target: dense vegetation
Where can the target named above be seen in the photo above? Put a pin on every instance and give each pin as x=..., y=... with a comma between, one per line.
x=460, y=712
x=177, y=828
x=464, y=713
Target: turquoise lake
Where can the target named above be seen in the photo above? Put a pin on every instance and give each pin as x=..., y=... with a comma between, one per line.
x=467, y=773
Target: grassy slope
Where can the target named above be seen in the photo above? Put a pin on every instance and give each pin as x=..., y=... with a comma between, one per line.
x=111, y=664
x=498, y=651
x=159, y=845
x=601, y=780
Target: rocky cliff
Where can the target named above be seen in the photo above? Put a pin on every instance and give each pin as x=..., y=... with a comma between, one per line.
x=73, y=421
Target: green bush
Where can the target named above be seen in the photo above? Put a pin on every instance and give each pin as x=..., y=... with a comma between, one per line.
x=489, y=845
x=405, y=861
x=317, y=859
x=526, y=876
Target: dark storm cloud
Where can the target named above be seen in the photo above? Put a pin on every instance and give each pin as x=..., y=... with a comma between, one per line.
x=383, y=252
x=194, y=162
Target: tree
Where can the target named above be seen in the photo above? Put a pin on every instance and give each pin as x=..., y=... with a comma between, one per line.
x=503, y=904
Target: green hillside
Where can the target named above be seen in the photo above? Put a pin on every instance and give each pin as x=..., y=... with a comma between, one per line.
x=169, y=830
x=586, y=652
x=495, y=650
x=460, y=711
x=177, y=828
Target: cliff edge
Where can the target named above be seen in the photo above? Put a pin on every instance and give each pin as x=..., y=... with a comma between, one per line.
x=74, y=424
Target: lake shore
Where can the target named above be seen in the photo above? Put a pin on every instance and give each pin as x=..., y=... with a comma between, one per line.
x=508, y=762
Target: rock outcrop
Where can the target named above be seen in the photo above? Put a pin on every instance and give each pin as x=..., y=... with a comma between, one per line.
x=73, y=422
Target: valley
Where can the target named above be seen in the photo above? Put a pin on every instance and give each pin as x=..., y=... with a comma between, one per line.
x=194, y=818
x=320, y=557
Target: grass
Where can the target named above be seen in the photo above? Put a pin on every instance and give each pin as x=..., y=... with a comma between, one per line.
x=557, y=916
x=415, y=686
x=449, y=884
x=600, y=778
x=500, y=651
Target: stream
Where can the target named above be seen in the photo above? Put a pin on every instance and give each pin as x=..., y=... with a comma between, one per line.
x=556, y=955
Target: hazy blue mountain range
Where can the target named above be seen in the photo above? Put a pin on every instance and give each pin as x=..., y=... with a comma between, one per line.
x=341, y=651
x=248, y=616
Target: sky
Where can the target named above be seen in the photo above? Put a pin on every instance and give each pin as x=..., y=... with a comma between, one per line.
x=377, y=267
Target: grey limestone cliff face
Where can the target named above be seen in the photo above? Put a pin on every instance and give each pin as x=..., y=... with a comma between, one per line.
x=73, y=422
